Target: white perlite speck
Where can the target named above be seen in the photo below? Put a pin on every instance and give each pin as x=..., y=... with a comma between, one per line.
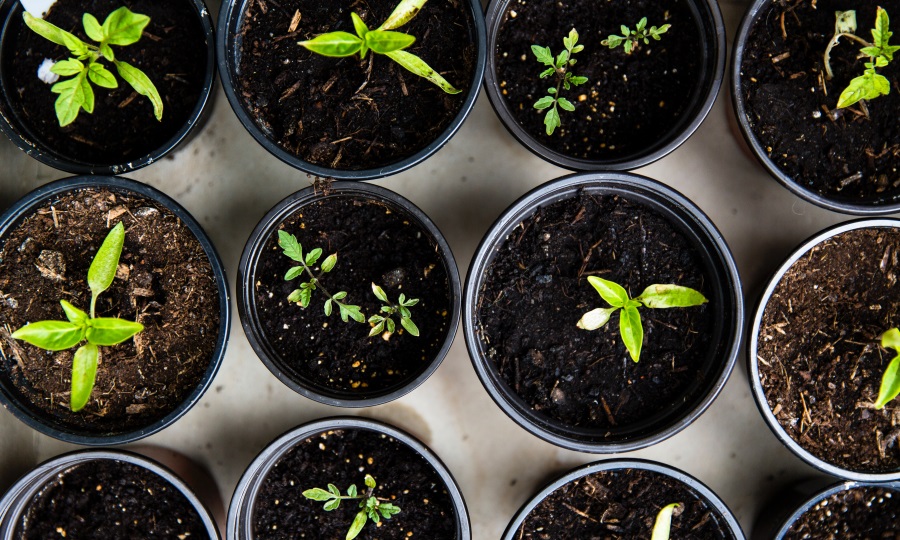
x=44, y=72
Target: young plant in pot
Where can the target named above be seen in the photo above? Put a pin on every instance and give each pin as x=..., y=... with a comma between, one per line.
x=542, y=291
x=347, y=90
x=603, y=86
x=815, y=96
x=104, y=88
x=349, y=295
x=624, y=499
x=114, y=310
x=823, y=348
x=374, y=481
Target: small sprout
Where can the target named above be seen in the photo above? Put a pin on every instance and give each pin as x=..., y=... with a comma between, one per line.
x=98, y=331
x=560, y=67
x=653, y=297
x=890, y=381
x=384, y=322
x=381, y=41
x=371, y=507
x=121, y=27
x=663, y=523
x=303, y=295
x=630, y=39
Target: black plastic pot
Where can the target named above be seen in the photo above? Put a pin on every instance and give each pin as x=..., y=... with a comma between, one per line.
x=46, y=424
x=229, y=51
x=19, y=133
x=16, y=500
x=250, y=317
x=708, y=18
x=241, y=511
x=726, y=519
x=726, y=298
x=753, y=350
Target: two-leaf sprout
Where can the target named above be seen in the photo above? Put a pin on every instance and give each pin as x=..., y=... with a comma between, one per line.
x=370, y=506
x=890, y=381
x=121, y=28
x=653, y=297
x=381, y=40
x=663, y=523
x=98, y=331
x=630, y=39
x=565, y=79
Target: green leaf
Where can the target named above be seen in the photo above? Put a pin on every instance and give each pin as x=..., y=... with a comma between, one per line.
x=75, y=315
x=305, y=297
x=551, y=120
x=106, y=261
x=613, y=41
x=351, y=491
x=123, y=27
x=561, y=59
x=293, y=273
x=106, y=331
x=390, y=325
x=596, y=318
x=295, y=295
x=402, y=14
x=890, y=381
x=334, y=490
x=334, y=44
x=70, y=100
x=68, y=67
x=629, y=46
x=54, y=33
x=102, y=76
x=290, y=246
x=543, y=55
x=329, y=262
x=383, y=42
x=92, y=27
x=313, y=256
x=142, y=85
x=891, y=339
x=565, y=104
x=410, y=326
x=578, y=81
x=88, y=104
x=418, y=67
x=669, y=296
x=881, y=33
x=388, y=510
x=632, y=331
x=352, y=312
x=107, y=52
x=614, y=294
x=370, y=481
x=656, y=33
x=317, y=494
x=359, y=25
x=373, y=514
x=84, y=373
x=870, y=85
x=358, y=523
x=377, y=329
x=340, y=295
x=547, y=72
x=663, y=522
x=379, y=293
x=332, y=504
x=577, y=49
x=51, y=335
x=543, y=103
x=408, y=303
x=328, y=307
x=404, y=312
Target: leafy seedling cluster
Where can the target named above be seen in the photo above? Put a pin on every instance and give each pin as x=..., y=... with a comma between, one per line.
x=98, y=331
x=371, y=507
x=630, y=39
x=565, y=79
x=653, y=297
x=890, y=381
x=382, y=322
x=121, y=28
x=663, y=523
x=382, y=40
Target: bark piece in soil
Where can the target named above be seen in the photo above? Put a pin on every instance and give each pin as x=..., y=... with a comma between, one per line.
x=791, y=108
x=164, y=281
x=858, y=513
x=343, y=113
x=122, y=128
x=342, y=458
x=536, y=290
x=109, y=499
x=820, y=364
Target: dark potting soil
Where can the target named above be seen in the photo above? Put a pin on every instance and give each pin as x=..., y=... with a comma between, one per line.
x=165, y=282
x=820, y=363
x=109, y=499
x=838, y=153
x=630, y=102
x=860, y=513
x=374, y=242
x=122, y=128
x=345, y=457
x=622, y=504
x=344, y=113
x=536, y=290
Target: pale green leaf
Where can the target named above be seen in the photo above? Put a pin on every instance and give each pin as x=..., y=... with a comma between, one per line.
x=565, y=104
x=88, y=91
x=68, y=67
x=351, y=491
x=370, y=481
x=632, y=331
x=359, y=25
x=340, y=295
x=295, y=295
x=75, y=315
x=317, y=494
x=51, y=335
x=402, y=14
x=334, y=490
x=332, y=504
x=410, y=326
x=305, y=297
x=388, y=510
x=101, y=76
x=142, y=85
x=613, y=41
x=881, y=33
x=92, y=27
x=870, y=85
x=614, y=294
x=418, y=67
x=105, y=331
x=551, y=120
x=669, y=296
x=577, y=81
x=379, y=293
x=84, y=373
x=663, y=523
x=53, y=33
x=390, y=325
x=329, y=262
x=124, y=27
x=595, y=318
x=543, y=103
x=351, y=312
x=70, y=100
x=561, y=59
x=357, y=526
x=107, y=52
x=543, y=54
x=377, y=329
x=293, y=273
x=891, y=339
x=106, y=261
x=290, y=246
x=313, y=256
x=383, y=42
x=334, y=44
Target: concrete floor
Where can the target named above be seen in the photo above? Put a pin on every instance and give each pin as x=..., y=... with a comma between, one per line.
x=228, y=182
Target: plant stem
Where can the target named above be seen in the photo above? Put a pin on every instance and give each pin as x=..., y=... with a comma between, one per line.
x=834, y=41
x=316, y=282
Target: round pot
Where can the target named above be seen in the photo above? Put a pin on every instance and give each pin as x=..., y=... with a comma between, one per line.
x=39, y=419
x=253, y=320
x=857, y=205
x=229, y=48
x=712, y=255
x=754, y=353
x=16, y=501
x=726, y=520
x=26, y=138
x=712, y=35
x=244, y=502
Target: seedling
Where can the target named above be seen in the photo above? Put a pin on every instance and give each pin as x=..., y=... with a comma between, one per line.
x=382, y=322
x=303, y=295
x=663, y=523
x=653, y=297
x=98, y=331
x=121, y=28
x=559, y=66
x=630, y=39
x=890, y=381
x=381, y=41
x=870, y=84
x=371, y=507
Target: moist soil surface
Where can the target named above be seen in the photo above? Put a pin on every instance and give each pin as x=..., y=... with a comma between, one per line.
x=860, y=513
x=536, y=290
x=109, y=499
x=630, y=102
x=791, y=109
x=820, y=363
x=343, y=458
x=374, y=242
x=164, y=281
x=344, y=113
x=122, y=128
x=622, y=504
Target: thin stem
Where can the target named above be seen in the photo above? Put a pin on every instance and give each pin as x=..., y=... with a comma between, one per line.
x=316, y=282
x=834, y=41
x=93, y=305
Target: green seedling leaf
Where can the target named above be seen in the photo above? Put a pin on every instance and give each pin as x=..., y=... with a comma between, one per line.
x=379, y=293
x=68, y=67
x=92, y=27
x=334, y=490
x=370, y=481
x=142, y=85
x=417, y=66
x=328, y=307
x=313, y=256
x=357, y=526
x=410, y=326
x=881, y=33
x=51, y=335
x=351, y=491
x=109, y=331
x=317, y=494
x=53, y=33
x=101, y=76
x=329, y=262
x=383, y=42
x=305, y=296
x=402, y=14
x=359, y=26
x=332, y=505
x=870, y=85
x=377, y=329
x=351, y=312
x=88, y=92
x=334, y=44
x=123, y=27
x=107, y=52
x=293, y=273
x=614, y=294
x=70, y=101
x=388, y=510
x=595, y=318
x=565, y=104
x=75, y=315
x=890, y=381
x=551, y=121
x=106, y=261
x=663, y=523
x=543, y=55
x=669, y=296
x=290, y=246
x=84, y=373
x=632, y=331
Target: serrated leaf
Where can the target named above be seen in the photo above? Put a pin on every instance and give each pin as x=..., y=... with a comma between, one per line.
x=351, y=312
x=388, y=510
x=101, y=76
x=544, y=103
x=293, y=273
x=657, y=32
x=669, y=296
x=614, y=294
x=84, y=373
x=613, y=41
x=334, y=44
x=103, y=268
x=543, y=54
x=551, y=120
x=578, y=81
x=68, y=67
x=408, y=303
x=881, y=33
x=142, y=85
x=595, y=318
x=379, y=293
x=75, y=315
x=313, y=256
x=305, y=297
x=565, y=104
x=870, y=85
x=329, y=262
x=92, y=27
x=383, y=41
x=124, y=27
x=317, y=494
x=70, y=100
x=410, y=326
x=632, y=331
x=561, y=59
x=629, y=46
x=417, y=66
x=402, y=14
x=356, y=527
x=51, y=335
x=290, y=246
x=663, y=523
